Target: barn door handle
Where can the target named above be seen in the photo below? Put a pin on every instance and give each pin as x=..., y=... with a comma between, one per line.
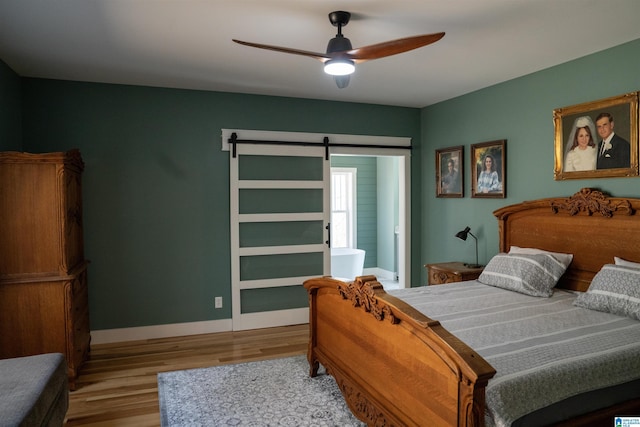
x=328, y=228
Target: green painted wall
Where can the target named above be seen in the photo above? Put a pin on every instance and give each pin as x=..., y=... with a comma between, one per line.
x=156, y=187
x=10, y=110
x=519, y=111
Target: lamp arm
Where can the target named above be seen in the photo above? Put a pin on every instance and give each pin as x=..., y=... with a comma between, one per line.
x=476, y=239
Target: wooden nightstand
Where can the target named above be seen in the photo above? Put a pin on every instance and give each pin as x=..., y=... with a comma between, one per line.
x=449, y=272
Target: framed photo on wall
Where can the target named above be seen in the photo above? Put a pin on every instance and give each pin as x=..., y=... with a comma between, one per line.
x=449, y=175
x=489, y=169
x=597, y=139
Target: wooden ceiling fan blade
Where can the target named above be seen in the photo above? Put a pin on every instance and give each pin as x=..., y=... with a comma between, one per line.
x=392, y=47
x=323, y=57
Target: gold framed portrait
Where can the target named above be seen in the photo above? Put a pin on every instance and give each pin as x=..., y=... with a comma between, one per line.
x=597, y=139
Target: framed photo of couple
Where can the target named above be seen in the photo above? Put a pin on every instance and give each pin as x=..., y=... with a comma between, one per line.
x=449, y=175
x=597, y=139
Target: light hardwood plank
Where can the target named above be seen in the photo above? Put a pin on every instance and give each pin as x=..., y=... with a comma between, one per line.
x=118, y=385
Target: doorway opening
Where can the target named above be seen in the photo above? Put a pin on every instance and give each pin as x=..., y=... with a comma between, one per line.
x=365, y=195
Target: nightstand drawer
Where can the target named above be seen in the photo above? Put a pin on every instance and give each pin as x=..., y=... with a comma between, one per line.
x=450, y=272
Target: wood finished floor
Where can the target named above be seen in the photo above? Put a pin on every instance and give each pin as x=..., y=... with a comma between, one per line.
x=118, y=385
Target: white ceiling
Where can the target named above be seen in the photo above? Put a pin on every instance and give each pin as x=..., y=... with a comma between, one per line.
x=187, y=43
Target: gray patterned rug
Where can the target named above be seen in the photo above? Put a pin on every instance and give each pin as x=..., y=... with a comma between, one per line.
x=276, y=392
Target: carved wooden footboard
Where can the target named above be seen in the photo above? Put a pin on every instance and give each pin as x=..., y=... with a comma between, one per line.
x=394, y=365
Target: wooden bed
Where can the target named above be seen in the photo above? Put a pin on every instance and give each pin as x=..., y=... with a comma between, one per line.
x=397, y=367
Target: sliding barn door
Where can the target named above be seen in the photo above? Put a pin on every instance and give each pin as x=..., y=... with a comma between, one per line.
x=279, y=214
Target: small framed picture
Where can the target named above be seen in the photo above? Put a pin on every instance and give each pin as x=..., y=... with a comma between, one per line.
x=489, y=169
x=597, y=139
x=449, y=176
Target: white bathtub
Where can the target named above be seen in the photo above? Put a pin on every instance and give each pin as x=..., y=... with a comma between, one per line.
x=347, y=263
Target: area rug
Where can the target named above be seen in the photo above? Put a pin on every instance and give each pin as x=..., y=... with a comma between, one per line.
x=277, y=392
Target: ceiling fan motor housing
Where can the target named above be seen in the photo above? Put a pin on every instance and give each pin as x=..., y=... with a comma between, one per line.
x=339, y=44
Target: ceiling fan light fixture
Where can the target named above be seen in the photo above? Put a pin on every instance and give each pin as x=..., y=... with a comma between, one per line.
x=339, y=67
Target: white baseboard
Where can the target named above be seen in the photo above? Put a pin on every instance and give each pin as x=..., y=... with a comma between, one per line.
x=379, y=273
x=105, y=336
x=271, y=319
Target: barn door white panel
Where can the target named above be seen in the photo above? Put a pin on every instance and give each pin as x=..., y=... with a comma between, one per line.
x=279, y=210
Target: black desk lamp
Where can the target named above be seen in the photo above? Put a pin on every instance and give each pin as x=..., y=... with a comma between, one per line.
x=463, y=236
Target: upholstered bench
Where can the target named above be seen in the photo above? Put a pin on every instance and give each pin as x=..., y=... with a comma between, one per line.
x=34, y=390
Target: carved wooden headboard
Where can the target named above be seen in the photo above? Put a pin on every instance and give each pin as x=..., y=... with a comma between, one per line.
x=591, y=225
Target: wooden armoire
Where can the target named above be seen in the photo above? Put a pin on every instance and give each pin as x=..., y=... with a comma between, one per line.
x=44, y=305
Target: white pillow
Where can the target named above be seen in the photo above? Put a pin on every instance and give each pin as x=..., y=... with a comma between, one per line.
x=615, y=289
x=565, y=259
x=624, y=262
x=529, y=274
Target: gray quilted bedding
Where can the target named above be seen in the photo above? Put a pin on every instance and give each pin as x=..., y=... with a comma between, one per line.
x=545, y=350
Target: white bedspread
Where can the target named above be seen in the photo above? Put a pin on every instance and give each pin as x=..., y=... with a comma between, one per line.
x=543, y=349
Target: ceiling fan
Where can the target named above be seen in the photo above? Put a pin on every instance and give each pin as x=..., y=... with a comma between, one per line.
x=340, y=58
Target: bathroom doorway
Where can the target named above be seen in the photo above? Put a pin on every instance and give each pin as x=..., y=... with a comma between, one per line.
x=366, y=212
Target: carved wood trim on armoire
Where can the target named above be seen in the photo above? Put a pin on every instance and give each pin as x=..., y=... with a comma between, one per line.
x=44, y=305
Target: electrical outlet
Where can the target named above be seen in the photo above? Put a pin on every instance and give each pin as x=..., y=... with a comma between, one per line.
x=218, y=302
